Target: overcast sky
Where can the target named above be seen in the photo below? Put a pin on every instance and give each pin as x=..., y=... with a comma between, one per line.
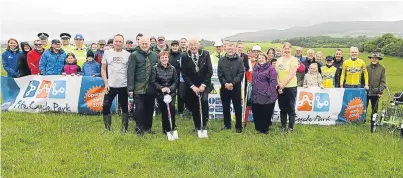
x=208, y=19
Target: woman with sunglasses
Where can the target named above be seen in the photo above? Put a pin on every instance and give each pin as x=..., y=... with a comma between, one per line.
x=34, y=56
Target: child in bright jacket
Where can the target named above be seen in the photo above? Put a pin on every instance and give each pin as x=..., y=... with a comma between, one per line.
x=313, y=77
x=91, y=67
x=329, y=73
x=71, y=67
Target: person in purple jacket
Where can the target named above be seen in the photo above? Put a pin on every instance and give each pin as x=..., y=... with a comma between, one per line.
x=264, y=94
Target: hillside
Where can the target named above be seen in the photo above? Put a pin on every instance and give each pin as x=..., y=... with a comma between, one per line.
x=334, y=29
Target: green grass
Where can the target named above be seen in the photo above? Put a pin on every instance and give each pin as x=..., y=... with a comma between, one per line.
x=69, y=145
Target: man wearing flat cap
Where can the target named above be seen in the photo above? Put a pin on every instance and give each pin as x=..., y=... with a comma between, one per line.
x=377, y=81
x=129, y=46
x=100, y=51
x=65, y=37
x=80, y=50
x=44, y=38
x=161, y=46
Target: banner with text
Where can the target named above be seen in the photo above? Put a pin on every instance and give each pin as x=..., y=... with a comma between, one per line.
x=328, y=106
x=68, y=94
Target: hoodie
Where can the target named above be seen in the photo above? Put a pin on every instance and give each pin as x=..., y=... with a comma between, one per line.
x=91, y=68
x=23, y=68
x=33, y=58
x=71, y=68
x=10, y=62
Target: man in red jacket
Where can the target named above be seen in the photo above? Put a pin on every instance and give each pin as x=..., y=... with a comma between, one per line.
x=34, y=56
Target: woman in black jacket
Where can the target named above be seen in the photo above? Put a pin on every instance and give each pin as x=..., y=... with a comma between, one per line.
x=23, y=68
x=165, y=79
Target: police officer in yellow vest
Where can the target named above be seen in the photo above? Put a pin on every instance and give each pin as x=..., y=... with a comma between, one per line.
x=329, y=73
x=218, y=53
x=65, y=37
x=44, y=38
x=80, y=51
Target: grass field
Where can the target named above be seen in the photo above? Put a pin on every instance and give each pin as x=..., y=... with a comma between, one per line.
x=68, y=145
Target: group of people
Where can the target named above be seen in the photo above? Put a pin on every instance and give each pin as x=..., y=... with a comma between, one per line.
x=154, y=71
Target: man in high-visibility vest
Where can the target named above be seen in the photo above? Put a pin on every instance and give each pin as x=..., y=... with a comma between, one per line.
x=218, y=53
x=44, y=38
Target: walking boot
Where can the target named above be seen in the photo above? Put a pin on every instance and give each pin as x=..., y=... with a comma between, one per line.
x=125, y=122
x=107, y=122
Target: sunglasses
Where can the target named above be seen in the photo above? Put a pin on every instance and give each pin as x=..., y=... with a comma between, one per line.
x=38, y=44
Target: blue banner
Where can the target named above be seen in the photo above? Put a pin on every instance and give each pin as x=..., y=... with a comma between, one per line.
x=54, y=93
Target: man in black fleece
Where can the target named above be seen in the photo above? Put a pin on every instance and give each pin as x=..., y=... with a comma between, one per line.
x=338, y=63
x=197, y=71
x=174, y=60
x=231, y=73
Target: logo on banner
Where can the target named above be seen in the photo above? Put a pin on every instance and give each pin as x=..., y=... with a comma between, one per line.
x=211, y=100
x=322, y=102
x=354, y=109
x=94, y=98
x=211, y=108
x=319, y=103
x=46, y=89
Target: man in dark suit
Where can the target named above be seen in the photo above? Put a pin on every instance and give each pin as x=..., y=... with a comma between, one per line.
x=197, y=71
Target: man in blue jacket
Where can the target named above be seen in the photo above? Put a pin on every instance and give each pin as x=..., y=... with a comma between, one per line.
x=52, y=60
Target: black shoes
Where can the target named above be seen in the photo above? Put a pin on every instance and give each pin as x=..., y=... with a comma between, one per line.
x=149, y=131
x=238, y=130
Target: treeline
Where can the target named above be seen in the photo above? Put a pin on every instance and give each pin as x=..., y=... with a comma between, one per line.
x=325, y=41
x=387, y=44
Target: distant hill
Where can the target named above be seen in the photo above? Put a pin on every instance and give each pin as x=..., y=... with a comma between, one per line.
x=333, y=29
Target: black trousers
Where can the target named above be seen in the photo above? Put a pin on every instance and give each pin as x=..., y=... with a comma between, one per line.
x=109, y=96
x=143, y=113
x=262, y=114
x=166, y=126
x=193, y=103
x=374, y=104
x=181, y=97
x=226, y=97
x=286, y=102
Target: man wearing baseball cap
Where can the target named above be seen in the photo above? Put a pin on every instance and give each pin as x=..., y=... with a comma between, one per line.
x=218, y=53
x=80, y=50
x=52, y=60
x=329, y=73
x=44, y=38
x=65, y=37
x=161, y=46
x=129, y=46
